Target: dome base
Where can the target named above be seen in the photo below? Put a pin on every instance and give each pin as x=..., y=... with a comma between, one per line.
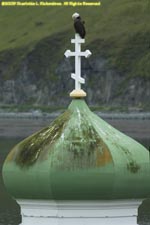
x=44, y=212
x=78, y=94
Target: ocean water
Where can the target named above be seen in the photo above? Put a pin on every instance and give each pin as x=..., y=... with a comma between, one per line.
x=9, y=209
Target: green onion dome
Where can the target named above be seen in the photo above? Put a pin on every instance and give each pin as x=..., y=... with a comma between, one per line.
x=78, y=157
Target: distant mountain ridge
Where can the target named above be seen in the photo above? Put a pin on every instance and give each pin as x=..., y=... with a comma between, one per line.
x=34, y=71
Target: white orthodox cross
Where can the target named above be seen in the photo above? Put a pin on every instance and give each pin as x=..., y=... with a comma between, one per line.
x=77, y=54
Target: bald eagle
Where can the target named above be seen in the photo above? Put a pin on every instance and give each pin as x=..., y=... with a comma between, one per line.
x=79, y=25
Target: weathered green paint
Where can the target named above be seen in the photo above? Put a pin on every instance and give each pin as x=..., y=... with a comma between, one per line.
x=79, y=156
x=31, y=148
x=133, y=167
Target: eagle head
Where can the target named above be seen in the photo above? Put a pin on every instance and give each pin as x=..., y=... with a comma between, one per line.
x=75, y=15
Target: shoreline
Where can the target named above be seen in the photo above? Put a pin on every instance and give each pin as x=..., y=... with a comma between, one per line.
x=43, y=115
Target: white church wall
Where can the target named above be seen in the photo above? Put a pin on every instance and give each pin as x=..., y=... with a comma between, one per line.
x=117, y=212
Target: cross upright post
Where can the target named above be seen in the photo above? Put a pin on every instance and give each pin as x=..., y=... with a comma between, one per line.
x=77, y=92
